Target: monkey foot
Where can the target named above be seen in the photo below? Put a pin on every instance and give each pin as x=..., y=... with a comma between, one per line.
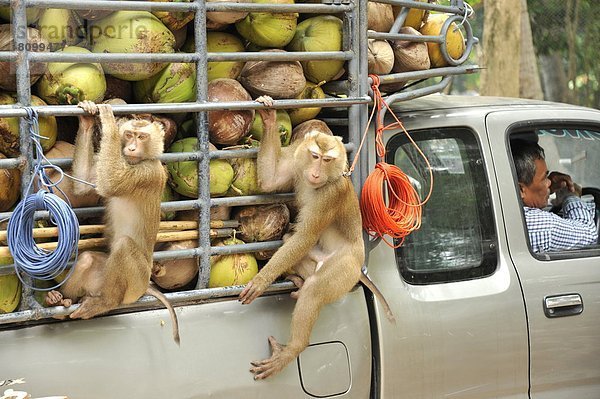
x=90, y=307
x=55, y=298
x=280, y=357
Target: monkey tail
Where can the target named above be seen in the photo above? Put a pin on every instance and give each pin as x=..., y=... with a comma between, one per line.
x=373, y=288
x=162, y=298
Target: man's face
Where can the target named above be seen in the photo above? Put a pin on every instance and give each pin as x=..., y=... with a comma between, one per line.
x=536, y=194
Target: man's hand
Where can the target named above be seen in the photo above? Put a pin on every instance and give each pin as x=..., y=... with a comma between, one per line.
x=560, y=180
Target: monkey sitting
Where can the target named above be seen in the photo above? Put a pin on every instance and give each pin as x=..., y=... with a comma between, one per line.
x=326, y=250
x=130, y=179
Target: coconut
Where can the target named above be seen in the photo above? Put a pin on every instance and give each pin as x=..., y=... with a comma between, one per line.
x=455, y=41
x=227, y=127
x=168, y=195
x=93, y=14
x=10, y=187
x=415, y=17
x=236, y=269
x=268, y=29
x=10, y=289
x=71, y=83
x=226, y=43
x=245, y=179
x=408, y=55
x=174, y=84
x=277, y=79
x=9, y=127
x=183, y=176
x=311, y=91
x=176, y=273
x=32, y=14
x=131, y=32
x=61, y=27
x=262, y=222
x=35, y=43
x=118, y=88
x=381, y=57
x=228, y=17
x=321, y=33
x=216, y=213
x=284, y=126
x=311, y=125
x=174, y=20
x=380, y=16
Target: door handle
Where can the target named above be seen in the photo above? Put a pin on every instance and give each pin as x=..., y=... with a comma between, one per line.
x=563, y=305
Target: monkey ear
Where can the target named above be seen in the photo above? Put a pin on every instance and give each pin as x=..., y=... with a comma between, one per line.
x=339, y=138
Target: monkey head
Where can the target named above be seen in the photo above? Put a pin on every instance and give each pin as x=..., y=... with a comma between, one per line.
x=141, y=139
x=320, y=158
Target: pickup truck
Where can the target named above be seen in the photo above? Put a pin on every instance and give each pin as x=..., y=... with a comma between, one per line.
x=478, y=314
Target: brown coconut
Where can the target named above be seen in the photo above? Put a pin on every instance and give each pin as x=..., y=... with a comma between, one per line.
x=227, y=127
x=229, y=17
x=410, y=56
x=380, y=17
x=118, y=88
x=10, y=187
x=216, y=213
x=176, y=273
x=380, y=57
x=8, y=70
x=313, y=124
x=262, y=222
x=277, y=79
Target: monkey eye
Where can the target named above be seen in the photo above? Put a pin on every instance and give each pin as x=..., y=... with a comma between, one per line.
x=327, y=159
x=128, y=135
x=143, y=136
x=314, y=155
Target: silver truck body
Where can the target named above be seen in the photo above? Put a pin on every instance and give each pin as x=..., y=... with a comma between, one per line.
x=481, y=333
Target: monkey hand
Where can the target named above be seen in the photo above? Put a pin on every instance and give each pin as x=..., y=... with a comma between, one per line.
x=88, y=106
x=253, y=290
x=267, y=101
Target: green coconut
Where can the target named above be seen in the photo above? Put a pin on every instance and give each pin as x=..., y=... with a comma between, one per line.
x=9, y=127
x=224, y=43
x=228, y=270
x=174, y=84
x=10, y=288
x=284, y=126
x=322, y=33
x=131, y=32
x=72, y=82
x=183, y=176
x=268, y=29
x=311, y=91
x=245, y=178
x=61, y=27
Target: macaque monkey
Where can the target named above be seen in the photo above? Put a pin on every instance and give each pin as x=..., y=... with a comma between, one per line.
x=130, y=179
x=325, y=253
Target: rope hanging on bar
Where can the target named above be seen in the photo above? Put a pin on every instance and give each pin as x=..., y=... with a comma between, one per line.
x=31, y=260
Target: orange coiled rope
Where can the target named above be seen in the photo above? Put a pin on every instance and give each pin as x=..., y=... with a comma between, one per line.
x=401, y=215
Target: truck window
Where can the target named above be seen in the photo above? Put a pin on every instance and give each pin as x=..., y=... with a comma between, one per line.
x=457, y=237
x=574, y=151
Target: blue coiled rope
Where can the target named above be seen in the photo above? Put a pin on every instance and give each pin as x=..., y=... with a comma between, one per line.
x=31, y=260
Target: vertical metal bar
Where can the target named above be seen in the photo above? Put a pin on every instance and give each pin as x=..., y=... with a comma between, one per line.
x=363, y=82
x=202, y=132
x=19, y=32
x=351, y=43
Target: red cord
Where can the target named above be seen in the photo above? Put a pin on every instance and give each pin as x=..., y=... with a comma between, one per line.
x=401, y=215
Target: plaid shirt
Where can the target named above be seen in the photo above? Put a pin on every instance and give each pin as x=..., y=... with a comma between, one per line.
x=550, y=232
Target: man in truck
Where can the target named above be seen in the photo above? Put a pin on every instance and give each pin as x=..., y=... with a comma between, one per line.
x=547, y=230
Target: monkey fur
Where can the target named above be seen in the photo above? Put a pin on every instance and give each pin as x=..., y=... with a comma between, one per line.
x=328, y=223
x=130, y=179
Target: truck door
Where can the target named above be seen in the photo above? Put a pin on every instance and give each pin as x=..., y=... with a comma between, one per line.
x=461, y=329
x=561, y=288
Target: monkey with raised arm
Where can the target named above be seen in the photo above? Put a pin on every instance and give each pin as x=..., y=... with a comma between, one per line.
x=328, y=223
x=130, y=179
